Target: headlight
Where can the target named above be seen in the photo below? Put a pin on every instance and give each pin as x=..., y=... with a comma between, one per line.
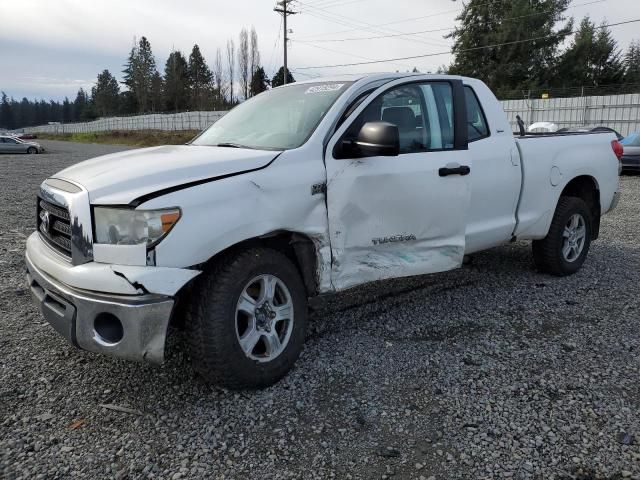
x=124, y=226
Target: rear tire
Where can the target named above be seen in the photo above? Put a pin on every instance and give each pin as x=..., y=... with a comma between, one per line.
x=563, y=251
x=32, y=150
x=253, y=297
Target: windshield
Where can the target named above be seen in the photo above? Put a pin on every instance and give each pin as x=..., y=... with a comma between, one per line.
x=632, y=140
x=278, y=119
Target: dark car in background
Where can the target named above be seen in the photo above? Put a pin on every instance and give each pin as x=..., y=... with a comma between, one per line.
x=590, y=129
x=631, y=153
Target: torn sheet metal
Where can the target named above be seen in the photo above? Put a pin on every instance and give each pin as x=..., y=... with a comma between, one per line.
x=160, y=280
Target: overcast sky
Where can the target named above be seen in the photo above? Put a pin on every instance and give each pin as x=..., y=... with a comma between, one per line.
x=50, y=48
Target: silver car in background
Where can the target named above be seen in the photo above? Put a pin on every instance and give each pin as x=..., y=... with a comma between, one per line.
x=11, y=144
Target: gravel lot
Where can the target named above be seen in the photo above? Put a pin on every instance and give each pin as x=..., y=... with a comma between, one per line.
x=491, y=371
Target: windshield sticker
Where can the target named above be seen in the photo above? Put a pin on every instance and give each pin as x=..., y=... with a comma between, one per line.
x=329, y=87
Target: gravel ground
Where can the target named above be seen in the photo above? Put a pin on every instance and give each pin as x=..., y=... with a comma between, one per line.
x=491, y=371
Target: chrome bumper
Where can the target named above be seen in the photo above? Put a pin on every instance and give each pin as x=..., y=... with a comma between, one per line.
x=133, y=327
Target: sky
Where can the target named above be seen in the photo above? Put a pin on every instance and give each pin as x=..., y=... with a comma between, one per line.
x=50, y=48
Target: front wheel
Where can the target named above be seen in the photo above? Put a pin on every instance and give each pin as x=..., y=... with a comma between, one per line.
x=564, y=249
x=247, y=319
x=32, y=150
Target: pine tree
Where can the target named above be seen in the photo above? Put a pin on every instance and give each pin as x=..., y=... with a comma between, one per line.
x=7, y=119
x=278, y=78
x=138, y=73
x=157, y=86
x=67, y=110
x=592, y=58
x=79, y=106
x=632, y=63
x=259, y=81
x=176, y=82
x=518, y=62
x=105, y=94
x=200, y=78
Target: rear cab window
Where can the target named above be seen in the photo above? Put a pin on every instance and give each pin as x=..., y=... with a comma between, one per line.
x=477, y=127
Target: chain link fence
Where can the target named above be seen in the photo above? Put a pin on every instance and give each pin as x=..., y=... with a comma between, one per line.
x=156, y=121
x=620, y=112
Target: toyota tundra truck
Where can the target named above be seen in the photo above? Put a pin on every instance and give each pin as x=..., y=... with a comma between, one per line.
x=304, y=190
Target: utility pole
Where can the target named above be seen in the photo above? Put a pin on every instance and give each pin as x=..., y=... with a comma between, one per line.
x=285, y=13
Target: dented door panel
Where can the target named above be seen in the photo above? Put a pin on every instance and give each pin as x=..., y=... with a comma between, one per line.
x=395, y=216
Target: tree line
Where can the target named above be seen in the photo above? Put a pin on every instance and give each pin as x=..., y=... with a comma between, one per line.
x=187, y=83
x=516, y=46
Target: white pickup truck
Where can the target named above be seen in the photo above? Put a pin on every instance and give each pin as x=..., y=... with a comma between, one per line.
x=303, y=190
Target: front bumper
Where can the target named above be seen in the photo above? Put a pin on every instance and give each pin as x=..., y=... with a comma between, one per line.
x=133, y=327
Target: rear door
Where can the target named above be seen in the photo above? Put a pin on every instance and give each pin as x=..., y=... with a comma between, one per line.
x=403, y=215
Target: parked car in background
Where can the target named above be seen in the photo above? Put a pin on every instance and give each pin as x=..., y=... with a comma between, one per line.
x=631, y=153
x=590, y=129
x=12, y=144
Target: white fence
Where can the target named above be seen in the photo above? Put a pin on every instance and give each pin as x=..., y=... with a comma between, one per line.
x=156, y=121
x=620, y=112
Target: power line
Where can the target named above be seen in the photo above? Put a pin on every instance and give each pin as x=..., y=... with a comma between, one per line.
x=275, y=47
x=324, y=14
x=448, y=29
x=413, y=57
x=444, y=12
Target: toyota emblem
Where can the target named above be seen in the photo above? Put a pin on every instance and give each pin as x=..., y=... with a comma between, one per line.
x=46, y=221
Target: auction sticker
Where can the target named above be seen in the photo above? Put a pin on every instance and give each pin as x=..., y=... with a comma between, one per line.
x=327, y=87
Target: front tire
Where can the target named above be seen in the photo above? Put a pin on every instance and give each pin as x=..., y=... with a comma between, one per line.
x=563, y=251
x=32, y=150
x=246, y=320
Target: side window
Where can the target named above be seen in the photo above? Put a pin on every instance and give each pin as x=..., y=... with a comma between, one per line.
x=423, y=114
x=476, y=121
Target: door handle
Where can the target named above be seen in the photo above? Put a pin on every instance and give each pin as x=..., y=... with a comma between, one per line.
x=459, y=170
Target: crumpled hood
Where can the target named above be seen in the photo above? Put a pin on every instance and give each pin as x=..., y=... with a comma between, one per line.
x=122, y=177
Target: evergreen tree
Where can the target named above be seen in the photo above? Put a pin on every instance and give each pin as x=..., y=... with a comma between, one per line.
x=632, y=63
x=105, y=94
x=157, y=86
x=592, y=58
x=138, y=73
x=518, y=62
x=176, y=82
x=67, y=110
x=200, y=78
x=278, y=78
x=259, y=81
x=79, y=106
x=7, y=119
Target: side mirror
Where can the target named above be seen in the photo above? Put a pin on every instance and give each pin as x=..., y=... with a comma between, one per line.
x=378, y=139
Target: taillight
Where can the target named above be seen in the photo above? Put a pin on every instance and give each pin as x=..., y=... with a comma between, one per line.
x=617, y=149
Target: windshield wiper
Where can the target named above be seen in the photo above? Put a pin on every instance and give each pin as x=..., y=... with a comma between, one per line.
x=230, y=145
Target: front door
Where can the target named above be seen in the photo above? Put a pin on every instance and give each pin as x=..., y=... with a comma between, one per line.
x=402, y=215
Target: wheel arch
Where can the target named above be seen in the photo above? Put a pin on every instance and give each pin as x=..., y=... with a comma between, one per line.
x=297, y=247
x=586, y=188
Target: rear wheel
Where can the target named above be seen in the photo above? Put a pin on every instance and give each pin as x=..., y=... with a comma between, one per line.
x=32, y=150
x=564, y=249
x=247, y=319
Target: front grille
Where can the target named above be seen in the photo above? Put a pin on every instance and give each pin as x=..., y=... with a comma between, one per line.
x=54, y=224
